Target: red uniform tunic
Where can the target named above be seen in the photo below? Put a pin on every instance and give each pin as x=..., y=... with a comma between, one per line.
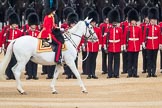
x=32, y=33
x=103, y=27
x=11, y=34
x=94, y=46
x=48, y=25
x=65, y=26
x=114, y=41
x=1, y=39
x=123, y=25
x=134, y=40
x=160, y=24
x=153, y=39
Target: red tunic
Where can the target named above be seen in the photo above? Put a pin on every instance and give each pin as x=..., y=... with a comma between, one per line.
x=160, y=24
x=11, y=34
x=48, y=25
x=114, y=41
x=103, y=27
x=134, y=40
x=153, y=38
x=94, y=46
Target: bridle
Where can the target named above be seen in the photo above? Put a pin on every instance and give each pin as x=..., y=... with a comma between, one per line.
x=67, y=35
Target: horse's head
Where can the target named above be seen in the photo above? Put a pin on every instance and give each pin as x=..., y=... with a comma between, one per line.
x=90, y=33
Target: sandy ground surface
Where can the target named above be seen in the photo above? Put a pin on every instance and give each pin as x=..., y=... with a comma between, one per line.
x=102, y=93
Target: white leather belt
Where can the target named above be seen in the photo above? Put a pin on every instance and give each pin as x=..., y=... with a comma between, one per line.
x=114, y=41
x=152, y=37
x=133, y=39
x=9, y=40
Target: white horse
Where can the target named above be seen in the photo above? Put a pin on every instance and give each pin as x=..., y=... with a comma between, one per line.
x=25, y=49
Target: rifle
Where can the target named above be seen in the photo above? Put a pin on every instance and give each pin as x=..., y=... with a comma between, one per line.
x=107, y=39
x=127, y=37
x=147, y=31
x=7, y=31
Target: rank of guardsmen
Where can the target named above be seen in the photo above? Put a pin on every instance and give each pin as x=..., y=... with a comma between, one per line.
x=137, y=31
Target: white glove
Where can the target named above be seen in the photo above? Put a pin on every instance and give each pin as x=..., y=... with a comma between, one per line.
x=62, y=29
x=143, y=45
x=100, y=47
x=105, y=47
x=160, y=46
x=124, y=48
x=83, y=47
x=140, y=47
x=46, y=44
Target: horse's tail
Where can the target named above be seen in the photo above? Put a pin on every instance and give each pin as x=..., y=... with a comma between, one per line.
x=6, y=60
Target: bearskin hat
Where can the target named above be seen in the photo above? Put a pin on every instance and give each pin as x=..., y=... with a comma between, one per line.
x=86, y=10
x=153, y=13
x=28, y=11
x=94, y=16
x=105, y=12
x=133, y=15
x=8, y=12
x=144, y=12
x=66, y=11
x=114, y=16
x=50, y=6
x=72, y=18
x=33, y=19
x=13, y=18
x=126, y=10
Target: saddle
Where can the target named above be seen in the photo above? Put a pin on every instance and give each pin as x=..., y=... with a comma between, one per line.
x=45, y=46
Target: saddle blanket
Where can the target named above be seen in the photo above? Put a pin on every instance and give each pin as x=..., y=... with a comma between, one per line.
x=46, y=48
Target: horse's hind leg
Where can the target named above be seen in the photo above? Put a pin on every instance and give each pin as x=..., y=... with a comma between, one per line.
x=55, y=76
x=17, y=69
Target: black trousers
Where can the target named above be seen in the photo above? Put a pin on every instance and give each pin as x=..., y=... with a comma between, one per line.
x=84, y=63
x=91, y=63
x=160, y=59
x=67, y=69
x=113, y=64
x=31, y=69
x=151, y=61
x=49, y=70
x=132, y=63
x=144, y=55
x=104, y=60
x=125, y=61
x=8, y=71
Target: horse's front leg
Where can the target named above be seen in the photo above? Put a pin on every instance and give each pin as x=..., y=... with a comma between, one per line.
x=17, y=69
x=72, y=66
x=55, y=76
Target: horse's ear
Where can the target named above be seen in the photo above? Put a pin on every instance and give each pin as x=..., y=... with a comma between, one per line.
x=86, y=19
x=89, y=20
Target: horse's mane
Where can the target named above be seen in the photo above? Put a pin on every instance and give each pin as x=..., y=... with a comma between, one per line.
x=75, y=28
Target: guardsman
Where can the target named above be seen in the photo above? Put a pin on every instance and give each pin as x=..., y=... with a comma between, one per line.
x=145, y=22
x=72, y=19
x=66, y=12
x=132, y=43
x=49, y=27
x=123, y=25
x=83, y=43
x=11, y=33
x=26, y=13
x=93, y=48
x=33, y=22
x=160, y=24
x=113, y=43
x=151, y=41
x=103, y=26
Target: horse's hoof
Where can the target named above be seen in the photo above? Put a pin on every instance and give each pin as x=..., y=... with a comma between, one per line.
x=55, y=92
x=85, y=92
x=22, y=93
